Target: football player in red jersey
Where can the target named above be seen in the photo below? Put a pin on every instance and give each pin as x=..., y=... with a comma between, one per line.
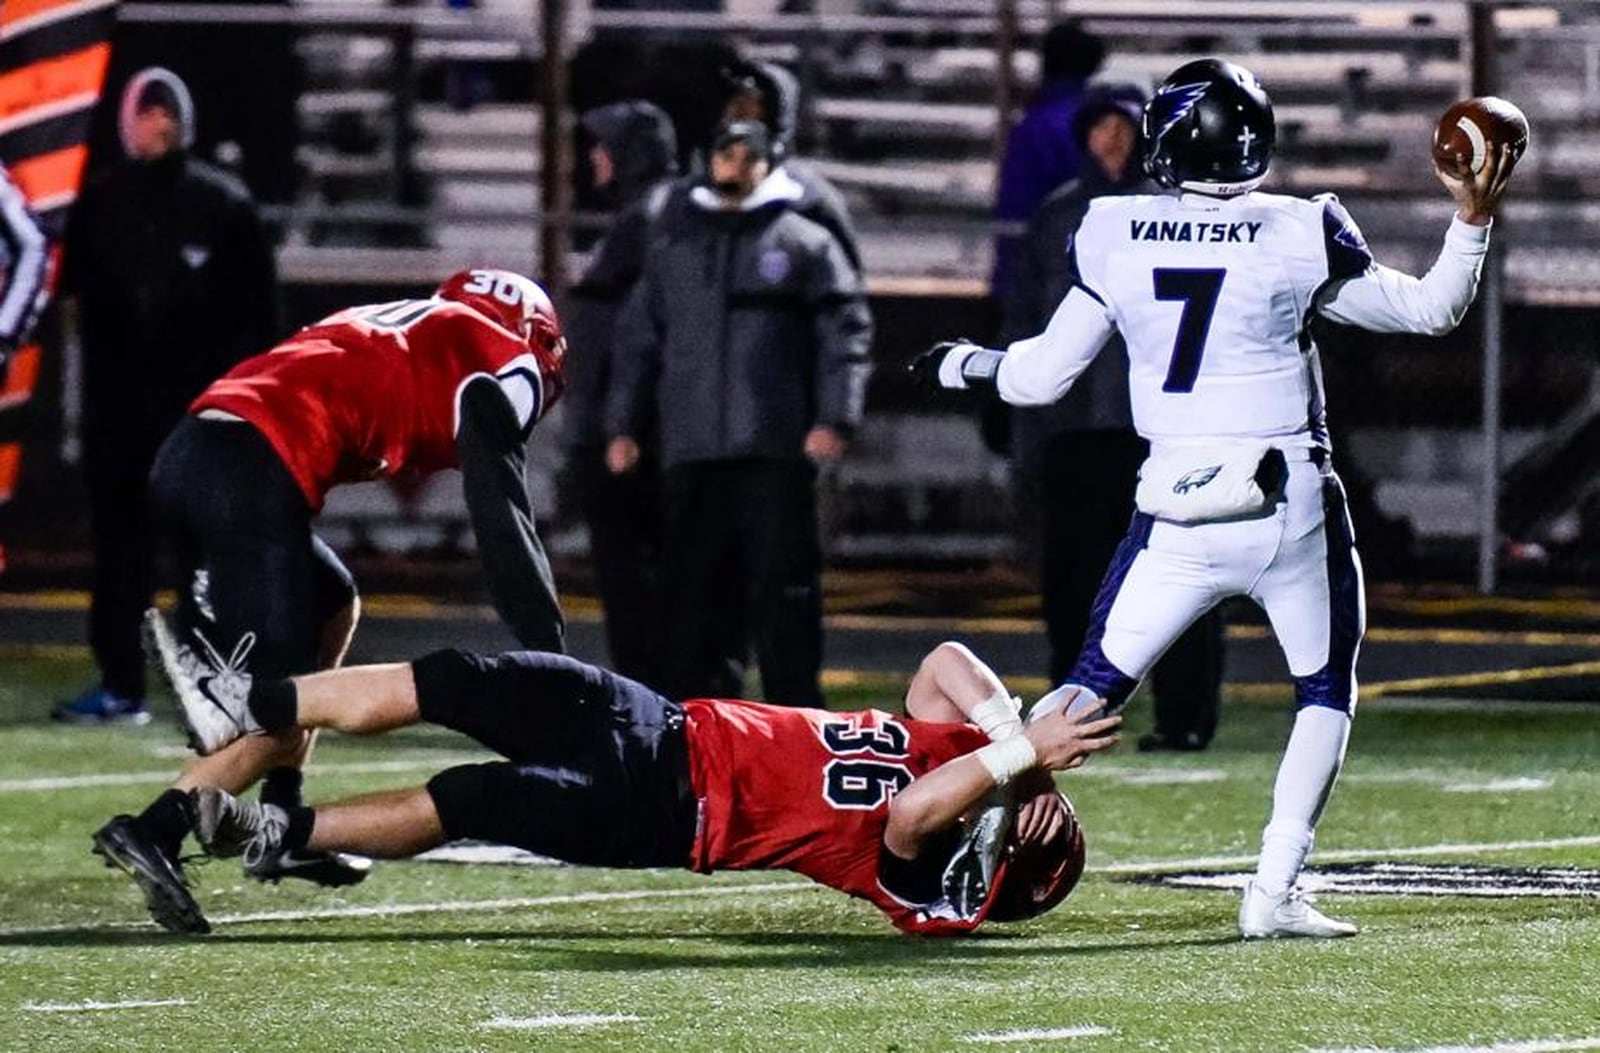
x=404, y=388
x=603, y=771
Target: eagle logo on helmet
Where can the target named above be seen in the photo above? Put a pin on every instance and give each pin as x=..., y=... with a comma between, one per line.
x=520, y=306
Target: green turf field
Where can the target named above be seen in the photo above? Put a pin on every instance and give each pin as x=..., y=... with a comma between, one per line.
x=433, y=956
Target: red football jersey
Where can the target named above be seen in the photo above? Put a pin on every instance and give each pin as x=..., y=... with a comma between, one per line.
x=809, y=790
x=369, y=392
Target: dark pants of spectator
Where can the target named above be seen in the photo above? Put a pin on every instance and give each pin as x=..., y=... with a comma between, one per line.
x=624, y=514
x=118, y=470
x=750, y=524
x=1084, y=484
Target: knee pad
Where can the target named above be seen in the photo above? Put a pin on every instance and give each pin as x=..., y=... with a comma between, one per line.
x=1328, y=688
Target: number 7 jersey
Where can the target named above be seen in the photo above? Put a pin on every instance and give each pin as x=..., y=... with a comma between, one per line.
x=1213, y=297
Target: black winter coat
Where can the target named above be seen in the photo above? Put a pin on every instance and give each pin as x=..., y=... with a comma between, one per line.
x=176, y=283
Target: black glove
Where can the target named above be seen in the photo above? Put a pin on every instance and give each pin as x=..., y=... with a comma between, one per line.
x=979, y=365
x=924, y=369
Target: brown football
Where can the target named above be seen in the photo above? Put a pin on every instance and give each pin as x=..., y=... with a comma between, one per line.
x=1467, y=130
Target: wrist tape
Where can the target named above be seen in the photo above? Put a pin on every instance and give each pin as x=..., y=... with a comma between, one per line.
x=999, y=715
x=1008, y=758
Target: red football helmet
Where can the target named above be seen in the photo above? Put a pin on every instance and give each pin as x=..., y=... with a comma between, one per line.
x=1035, y=879
x=522, y=307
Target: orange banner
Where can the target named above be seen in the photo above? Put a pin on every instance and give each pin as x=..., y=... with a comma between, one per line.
x=42, y=178
x=78, y=73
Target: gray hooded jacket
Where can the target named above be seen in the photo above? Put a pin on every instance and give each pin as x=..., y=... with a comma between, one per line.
x=749, y=327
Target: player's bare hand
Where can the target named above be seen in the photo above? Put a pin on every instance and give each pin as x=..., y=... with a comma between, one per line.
x=1064, y=740
x=1477, y=194
x=824, y=445
x=622, y=455
x=1041, y=816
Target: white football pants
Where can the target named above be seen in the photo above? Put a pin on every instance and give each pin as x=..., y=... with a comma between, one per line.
x=1300, y=566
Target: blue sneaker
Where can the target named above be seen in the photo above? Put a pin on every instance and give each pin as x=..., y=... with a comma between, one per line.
x=99, y=706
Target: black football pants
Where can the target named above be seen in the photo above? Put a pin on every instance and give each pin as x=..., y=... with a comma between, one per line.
x=248, y=565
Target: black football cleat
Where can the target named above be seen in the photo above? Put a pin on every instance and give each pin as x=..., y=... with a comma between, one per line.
x=166, y=895
x=328, y=869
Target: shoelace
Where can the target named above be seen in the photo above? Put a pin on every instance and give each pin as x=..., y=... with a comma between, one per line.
x=230, y=673
x=1299, y=897
x=235, y=662
x=198, y=859
x=267, y=841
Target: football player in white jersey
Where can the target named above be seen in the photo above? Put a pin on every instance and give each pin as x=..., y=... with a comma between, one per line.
x=1213, y=286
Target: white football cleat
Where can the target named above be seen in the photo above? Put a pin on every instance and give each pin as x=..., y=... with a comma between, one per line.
x=1265, y=917
x=213, y=692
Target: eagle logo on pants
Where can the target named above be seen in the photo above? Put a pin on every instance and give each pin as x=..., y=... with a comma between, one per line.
x=1196, y=479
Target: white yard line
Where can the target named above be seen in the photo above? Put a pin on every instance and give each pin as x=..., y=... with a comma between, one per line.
x=1153, y=776
x=97, y=1007
x=1038, y=1034
x=565, y=1020
x=1523, y=784
x=1547, y=1045
x=50, y=784
x=401, y=910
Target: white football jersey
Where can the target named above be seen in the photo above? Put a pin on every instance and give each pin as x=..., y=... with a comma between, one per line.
x=1213, y=297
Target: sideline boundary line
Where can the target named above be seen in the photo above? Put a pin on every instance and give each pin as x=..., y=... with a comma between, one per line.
x=404, y=910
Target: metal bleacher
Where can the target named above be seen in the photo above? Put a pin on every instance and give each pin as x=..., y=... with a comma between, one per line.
x=406, y=180
x=902, y=117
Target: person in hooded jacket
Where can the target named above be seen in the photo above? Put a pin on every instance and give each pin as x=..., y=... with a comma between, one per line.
x=175, y=282
x=750, y=329
x=769, y=93
x=1041, y=150
x=634, y=159
x=1077, y=460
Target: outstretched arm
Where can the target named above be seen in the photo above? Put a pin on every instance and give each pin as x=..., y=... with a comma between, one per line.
x=936, y=800
x=1032, y=372
x=1389, y=301
x=490, y=442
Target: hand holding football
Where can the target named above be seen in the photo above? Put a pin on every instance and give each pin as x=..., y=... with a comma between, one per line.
x=1470, y=128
